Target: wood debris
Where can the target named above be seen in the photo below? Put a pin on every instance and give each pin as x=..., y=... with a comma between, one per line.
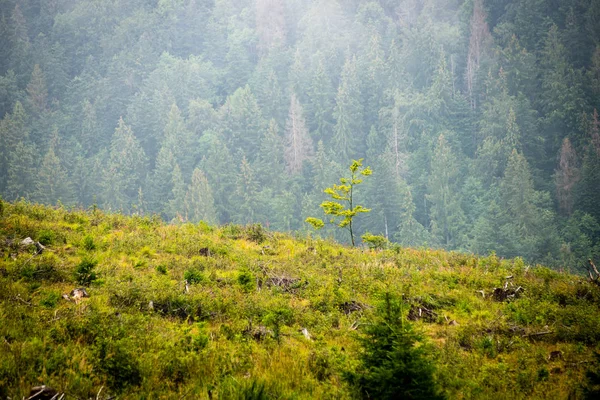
x=349, y=307
x=44, y=393
x=593, y=273
x=417, y=312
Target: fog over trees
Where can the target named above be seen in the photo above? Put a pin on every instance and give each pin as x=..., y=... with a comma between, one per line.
x=478, y=118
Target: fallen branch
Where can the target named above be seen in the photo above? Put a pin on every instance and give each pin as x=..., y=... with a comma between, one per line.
x=18, y=297
x=535, y=334
x=593, y=270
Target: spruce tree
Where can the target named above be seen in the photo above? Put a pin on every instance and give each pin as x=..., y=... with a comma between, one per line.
x=176, y=205
x=271, y=163
x=178, y=140
x=199, y=201
x=246, y=194
x=125, y=170
x=394, y=362
x=348, y=113
x=52, y=181
x=242, y=122
x=15, y=149
x=220, y=168
x=89, y=134
x=321, y=97
x=446, y=214
x=37, y=92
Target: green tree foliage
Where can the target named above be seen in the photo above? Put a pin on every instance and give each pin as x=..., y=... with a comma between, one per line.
x=271, y=157
x=527, y=211
x=89, y=133
x=124, y=171
x=561, y=90
x=246, y=194
x=37, y=92
x=348, y=113
x=52, y=180
x=242, y=122
x=12, y=132
x=199, y=201
x=176, y=202
x=221, y=171
x=321, y=95
x=341, y=208
x=394, y=362
x=446, y=213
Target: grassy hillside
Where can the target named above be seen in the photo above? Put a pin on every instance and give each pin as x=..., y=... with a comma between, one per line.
x=237, y=331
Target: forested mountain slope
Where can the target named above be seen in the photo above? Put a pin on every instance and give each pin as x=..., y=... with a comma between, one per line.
x=478, y=117
x=194, y=311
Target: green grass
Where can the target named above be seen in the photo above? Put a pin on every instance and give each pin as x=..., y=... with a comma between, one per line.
x=237, y=332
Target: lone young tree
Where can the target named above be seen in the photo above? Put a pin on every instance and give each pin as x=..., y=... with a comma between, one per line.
x=341, y=207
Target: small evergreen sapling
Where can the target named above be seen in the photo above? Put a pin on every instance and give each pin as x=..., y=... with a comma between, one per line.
x=393, y=365
x=341, y=207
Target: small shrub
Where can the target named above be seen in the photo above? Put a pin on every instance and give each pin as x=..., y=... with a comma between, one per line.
x=88, y=243
x=46, y=237
x=276, y=318
x=50, y=300
x=201, y=339
x=193, y=275
x=320, y=365
x=84, y=272
x=231, y=232
x=203, y=227
x=42, y=268
x=246, y=280
x=147, y=252
x=161, y=269
x=247, y=390
x=591, y=387
x=543, y=374
x=176, y=369
x=375, y=242
x=118, y=363
x=256, y=233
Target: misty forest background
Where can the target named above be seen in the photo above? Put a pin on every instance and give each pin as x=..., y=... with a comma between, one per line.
x=478, y=118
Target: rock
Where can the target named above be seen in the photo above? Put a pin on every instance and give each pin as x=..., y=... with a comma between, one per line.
x=27, y=242
x=42, y=393
x=305, y=333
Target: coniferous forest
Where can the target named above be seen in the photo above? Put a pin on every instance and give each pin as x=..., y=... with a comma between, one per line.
x=478, y=118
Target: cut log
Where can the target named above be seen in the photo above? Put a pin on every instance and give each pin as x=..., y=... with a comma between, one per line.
x=42, y=393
